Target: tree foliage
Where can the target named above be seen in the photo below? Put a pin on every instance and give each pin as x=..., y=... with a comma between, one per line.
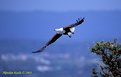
x=110, y=54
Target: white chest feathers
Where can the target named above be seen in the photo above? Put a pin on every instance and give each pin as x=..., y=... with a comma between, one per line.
x=60, y=31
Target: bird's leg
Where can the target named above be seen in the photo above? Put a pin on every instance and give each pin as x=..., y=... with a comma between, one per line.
x=69, y=36
x=72, y=32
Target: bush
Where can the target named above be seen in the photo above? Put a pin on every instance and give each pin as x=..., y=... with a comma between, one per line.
x=110, y=54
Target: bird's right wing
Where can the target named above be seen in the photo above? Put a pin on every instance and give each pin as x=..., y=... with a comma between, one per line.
x=52, y=40
x=78, y=22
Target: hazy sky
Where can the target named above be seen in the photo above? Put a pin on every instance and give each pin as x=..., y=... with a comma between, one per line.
x=59, y=5
x=33, y=24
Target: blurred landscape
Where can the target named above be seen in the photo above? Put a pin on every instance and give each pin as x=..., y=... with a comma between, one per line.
x=24, y=32
x=58, y=60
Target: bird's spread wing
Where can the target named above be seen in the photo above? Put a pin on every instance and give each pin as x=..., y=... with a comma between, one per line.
x=79, y=21
x=52, y=40
x=40, y=50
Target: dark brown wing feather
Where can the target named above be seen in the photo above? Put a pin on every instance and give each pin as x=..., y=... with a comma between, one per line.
x=40, y=50
x=79, y=21
x=54, y=38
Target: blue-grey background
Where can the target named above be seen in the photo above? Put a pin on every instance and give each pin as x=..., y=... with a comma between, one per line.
x=26, y=25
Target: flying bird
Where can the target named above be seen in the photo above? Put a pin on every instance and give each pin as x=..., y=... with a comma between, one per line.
x=67, y=30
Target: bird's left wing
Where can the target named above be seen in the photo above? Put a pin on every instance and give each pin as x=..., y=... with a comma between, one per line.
x=79, y=21
x=52, y=40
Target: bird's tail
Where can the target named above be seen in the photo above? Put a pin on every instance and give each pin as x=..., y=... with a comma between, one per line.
x=40, y=50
